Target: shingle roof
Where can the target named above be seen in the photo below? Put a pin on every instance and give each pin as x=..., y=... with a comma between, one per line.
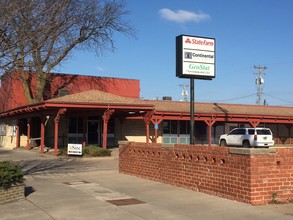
x=99, y=97
x=219, y=108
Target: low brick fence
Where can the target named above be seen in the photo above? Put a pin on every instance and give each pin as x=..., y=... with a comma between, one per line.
x=12, y=194
x=254, y=176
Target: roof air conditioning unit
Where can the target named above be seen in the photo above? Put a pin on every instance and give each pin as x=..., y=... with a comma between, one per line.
x=167, y=98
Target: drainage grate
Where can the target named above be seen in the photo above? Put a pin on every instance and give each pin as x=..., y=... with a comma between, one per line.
x=76, y=182
x=121, y=202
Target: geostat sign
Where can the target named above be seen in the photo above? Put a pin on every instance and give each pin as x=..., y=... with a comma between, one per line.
x=195, y=57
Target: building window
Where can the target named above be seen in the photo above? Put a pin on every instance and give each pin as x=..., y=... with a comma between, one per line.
x=3, y=129
x=111, y=126
x=75, y=125
x=75, y=130
x=184, y=127
x=170, y=127
x=13, y=131
x=176, y=132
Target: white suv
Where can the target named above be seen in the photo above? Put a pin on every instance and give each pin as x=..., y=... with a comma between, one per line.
x=248, y=137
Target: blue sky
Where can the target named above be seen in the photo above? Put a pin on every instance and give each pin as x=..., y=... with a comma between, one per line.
x=247, y=33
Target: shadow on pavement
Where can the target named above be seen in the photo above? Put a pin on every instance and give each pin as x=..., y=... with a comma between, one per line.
x=3, y=152
x=30, y=167
x=28, y=190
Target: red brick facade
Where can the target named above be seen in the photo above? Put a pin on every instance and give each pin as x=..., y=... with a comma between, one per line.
x=12, y=93
x=254, y=176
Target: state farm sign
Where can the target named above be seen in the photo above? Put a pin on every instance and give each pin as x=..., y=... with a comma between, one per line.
x=195, y=57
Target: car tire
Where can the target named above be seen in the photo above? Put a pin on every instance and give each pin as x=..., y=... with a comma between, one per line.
x=223, y=143
x=246, y=144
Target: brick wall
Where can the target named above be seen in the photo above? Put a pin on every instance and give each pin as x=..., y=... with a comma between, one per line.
x=12, y=194
x=272, y=176
x=254, y=176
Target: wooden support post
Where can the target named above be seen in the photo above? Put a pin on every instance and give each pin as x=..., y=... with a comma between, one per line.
x=28, y=133
x=156, y=122
x=106, y=117
x=17, y=141
x=210, y=123
x=147, y=132
x=56, y=129
x=254, y=124
x=43, y=134
x=84, y=129
x=147, y=119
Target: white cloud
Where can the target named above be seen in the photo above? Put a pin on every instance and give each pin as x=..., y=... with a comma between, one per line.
x=100, y=68
x=182, y=16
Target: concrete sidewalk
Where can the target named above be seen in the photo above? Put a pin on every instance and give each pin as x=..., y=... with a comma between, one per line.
x=74, y=188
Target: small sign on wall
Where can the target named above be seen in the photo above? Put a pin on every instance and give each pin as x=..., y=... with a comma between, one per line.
x=74, y=149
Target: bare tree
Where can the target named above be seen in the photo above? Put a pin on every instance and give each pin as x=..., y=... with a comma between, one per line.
x=37, y=35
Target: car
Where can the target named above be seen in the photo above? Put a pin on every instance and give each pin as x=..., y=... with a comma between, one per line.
x=248, y=137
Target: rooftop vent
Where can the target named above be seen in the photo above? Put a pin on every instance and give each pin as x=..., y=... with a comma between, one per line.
x=167, y=98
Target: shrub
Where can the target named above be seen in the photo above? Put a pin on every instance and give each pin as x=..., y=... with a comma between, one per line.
x=94, y=151
x=10, y=175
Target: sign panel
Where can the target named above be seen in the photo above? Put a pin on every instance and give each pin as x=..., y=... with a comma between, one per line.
x=195, y=57
x=74, y=149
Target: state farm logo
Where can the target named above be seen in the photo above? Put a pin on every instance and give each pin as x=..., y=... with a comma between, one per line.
x=188, y=41
x=204, y=42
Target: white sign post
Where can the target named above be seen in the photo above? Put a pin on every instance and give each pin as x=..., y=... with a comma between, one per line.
x=74, y=149
x=195, y=59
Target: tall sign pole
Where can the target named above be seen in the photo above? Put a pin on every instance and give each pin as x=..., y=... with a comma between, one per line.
x=191, y=133
x=195, y=59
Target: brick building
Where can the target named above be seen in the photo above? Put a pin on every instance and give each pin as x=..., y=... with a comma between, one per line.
x=101, y=111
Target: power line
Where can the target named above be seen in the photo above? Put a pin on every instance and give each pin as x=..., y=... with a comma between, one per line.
x=230, y=99
x=274, y=97
x=246, y=96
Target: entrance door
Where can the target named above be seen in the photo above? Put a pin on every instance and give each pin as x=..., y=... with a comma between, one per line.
x=93, y=132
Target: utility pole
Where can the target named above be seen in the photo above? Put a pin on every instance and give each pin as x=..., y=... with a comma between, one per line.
x=184, y=92
x=259, y=81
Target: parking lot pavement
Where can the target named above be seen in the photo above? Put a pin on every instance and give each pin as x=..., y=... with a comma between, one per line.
x=66, y=188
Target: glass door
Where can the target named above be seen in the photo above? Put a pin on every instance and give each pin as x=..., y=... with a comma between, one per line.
x=93, y=132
